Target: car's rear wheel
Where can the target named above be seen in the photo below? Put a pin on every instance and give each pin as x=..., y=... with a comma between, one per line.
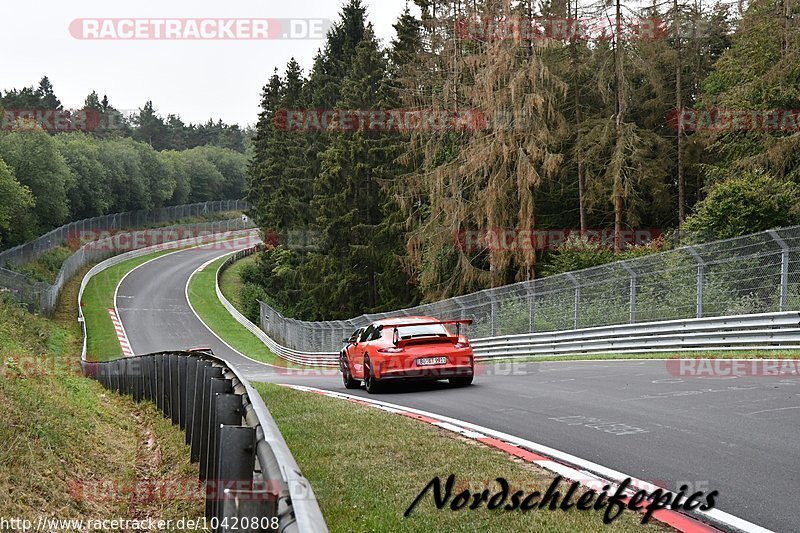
x=347, y=379
x=372, y=384
x=461, y=382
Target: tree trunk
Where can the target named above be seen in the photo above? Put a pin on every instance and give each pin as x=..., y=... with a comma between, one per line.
x=678, y=107
x=578, y=120
x=620, y=117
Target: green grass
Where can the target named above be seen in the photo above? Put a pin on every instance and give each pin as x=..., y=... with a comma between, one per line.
x=46, y=267
x=732, y=354
x=61, y=431
x=366, y=467
x=230, y=281
x=203, y=297
x=98, y=298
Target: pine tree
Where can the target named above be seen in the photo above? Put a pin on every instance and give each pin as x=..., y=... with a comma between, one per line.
x=349, y=197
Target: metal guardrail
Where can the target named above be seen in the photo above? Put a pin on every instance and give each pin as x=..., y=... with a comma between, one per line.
x=753, y=274
x=274, y=486
x=770, y=331
x=112, y=223
x=41, y=297
x=115, y=260
x=252, y=481
x=327, y=360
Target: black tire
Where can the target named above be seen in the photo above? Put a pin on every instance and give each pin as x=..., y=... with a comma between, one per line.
x=372, y=385
x=461, y=382
x=347, y=379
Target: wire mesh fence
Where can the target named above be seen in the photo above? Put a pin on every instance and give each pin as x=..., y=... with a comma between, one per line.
x=757, y=273
x=109, y=241
x=85, y=230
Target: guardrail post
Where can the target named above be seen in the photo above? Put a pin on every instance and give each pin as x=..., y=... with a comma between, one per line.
x=183, y=367
x=216, y=386
x=631, y=292
x=138, y=379
x=201, y=415
x=577, y=310
x=174, y=394
x=493, y=304
x=701, y=275
x=236, y=464
x=226, y=411
x=784, y=290
x=166, y=386
x=151, y=362
x=194, y=406
x=531, y=306
x=243, y=504
x=188, y=400
x=159, y=364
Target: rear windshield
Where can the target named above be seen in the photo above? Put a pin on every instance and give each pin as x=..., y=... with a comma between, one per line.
x=433, y=330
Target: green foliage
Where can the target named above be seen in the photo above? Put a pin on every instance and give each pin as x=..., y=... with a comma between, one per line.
x=578, y=253
x=745, y=203
x=34, y=158
x=15, y=200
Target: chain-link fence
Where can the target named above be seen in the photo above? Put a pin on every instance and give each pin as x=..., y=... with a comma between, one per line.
x=41, y=297
x=85, y=230
x=757, y=273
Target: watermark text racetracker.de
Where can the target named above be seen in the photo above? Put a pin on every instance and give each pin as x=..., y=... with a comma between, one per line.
x=44, y=523
x=731, y=368
x=198, y=29
x=513, y=239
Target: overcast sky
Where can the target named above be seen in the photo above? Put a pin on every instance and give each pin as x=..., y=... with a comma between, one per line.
x=196, y=79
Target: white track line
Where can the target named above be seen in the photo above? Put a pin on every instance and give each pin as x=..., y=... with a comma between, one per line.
x=586, y=471
x=189, y=302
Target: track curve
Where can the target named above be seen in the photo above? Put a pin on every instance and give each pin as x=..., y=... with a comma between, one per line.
x=739, y=436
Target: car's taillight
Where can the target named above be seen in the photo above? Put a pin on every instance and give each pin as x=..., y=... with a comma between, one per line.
x=460, y=345
x=390, y=349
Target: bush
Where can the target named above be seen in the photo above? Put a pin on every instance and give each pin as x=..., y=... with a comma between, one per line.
x=745, y=204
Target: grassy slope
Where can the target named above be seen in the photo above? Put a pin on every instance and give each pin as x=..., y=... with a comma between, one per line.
x=203, y=297
x=365, y=475
x=60, y=429
x=98, y=298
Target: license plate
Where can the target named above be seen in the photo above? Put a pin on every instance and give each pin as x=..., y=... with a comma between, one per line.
x=428, y=361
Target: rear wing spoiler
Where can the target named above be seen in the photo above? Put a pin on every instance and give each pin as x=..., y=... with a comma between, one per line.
x=457, y=323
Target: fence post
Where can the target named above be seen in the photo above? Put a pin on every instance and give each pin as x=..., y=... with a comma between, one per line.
x=531, y=306
x=632, y=292
x=784, y=291
x=494, y=311
x=701, y=274
x=226, y=410
x=577, y=317
x=235, y=466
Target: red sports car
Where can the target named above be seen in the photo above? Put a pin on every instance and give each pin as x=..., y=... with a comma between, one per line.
x=406, y=348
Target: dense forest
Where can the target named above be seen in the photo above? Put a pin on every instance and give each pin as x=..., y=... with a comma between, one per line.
x=621, y=130
x=53, y=172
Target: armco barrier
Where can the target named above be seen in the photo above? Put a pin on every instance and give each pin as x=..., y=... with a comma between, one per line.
x=763, y=331
x=41, y=297
x=770, y=331
x=113, y=223
x=250, y=475
x=273, y=486
x=328, y=360
x=753, y=274
x=115, y=260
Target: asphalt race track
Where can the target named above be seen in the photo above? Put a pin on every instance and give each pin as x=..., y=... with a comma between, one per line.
x=740, y=436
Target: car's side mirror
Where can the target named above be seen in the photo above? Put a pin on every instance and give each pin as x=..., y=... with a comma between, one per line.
x=346, y=340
